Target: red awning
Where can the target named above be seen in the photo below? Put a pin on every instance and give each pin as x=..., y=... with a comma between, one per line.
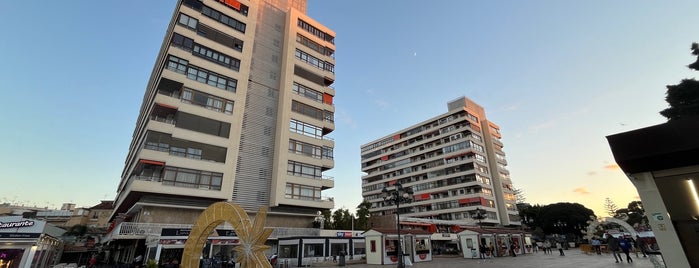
x=231, y=3
x=469, y=200
x=415, y=223
x=166, y=106
x=151, y=162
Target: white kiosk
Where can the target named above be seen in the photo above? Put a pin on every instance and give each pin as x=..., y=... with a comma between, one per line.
x=381, y=246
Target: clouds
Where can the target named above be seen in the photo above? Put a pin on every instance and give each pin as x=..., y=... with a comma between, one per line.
x=581, y=191
x=381, y=103
x=611, y=167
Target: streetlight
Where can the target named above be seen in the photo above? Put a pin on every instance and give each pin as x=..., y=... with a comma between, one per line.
x=397, y=196
x=560, y=226
x=320, y=218
x=480, y=215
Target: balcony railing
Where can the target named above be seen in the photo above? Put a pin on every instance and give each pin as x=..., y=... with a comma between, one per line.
x=137, y=230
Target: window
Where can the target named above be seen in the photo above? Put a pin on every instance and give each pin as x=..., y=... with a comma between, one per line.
x=216, y=57
x=222, y=18
x=190, y=178
x=306, y=129
x=315, y=46
x=207, y=101
x=188, y=21
x=307, y=92
x=306, y=149
x=303, y=192
x=310, y=59
x=304, y=170
x=177, y=65
x=182, y=42
x=315, y=31
x=312, y=111
x=201, y=75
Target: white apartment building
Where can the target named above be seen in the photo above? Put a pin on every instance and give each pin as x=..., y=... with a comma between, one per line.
x=454, y=163
x=238, y=108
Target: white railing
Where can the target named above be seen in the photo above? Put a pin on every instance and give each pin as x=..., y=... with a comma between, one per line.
x=145, y=230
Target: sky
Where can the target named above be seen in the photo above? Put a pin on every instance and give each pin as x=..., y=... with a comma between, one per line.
x=556, y=76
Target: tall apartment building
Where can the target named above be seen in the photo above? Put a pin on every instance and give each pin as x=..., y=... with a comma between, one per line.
x=454, y=163
x=238, y=108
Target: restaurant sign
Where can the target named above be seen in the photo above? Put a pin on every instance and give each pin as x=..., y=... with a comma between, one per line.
x=16, y=224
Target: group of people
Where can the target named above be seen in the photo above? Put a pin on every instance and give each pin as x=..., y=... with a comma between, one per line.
x=625, y=245
x=546, y=247
x=486, y=251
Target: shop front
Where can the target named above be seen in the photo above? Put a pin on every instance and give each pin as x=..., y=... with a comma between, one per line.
x=29, y=242
x=218, y=250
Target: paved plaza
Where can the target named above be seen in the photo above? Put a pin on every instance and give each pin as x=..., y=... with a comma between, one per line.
x=573, y=258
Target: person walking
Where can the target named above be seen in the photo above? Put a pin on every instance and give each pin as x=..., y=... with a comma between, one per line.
x=596, y=246
x=560, y=248
x=625, y=246
x=641, y=245
x=613, y=244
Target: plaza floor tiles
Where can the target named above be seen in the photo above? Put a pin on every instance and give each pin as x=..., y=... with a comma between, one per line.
x=573, y=258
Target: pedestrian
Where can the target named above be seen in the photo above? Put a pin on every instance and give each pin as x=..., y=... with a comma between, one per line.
x=491, y=249
x=641, y=245
x=625, y=246
x=596, y=245
x=93, y=261
x=560, y=248
x=512, y=248
x=613, y=245
x=482, y=250
x=547, y=247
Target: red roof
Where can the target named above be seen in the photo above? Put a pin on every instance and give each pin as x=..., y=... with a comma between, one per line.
x=406, y=231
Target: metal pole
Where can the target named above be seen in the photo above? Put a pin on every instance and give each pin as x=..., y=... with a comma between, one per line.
x=398, y=247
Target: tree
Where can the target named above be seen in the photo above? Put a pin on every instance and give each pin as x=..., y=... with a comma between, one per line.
x=341, y=219
x=633, y=214
x=363, y=214
x=683, y=98
x=574, y=215
x=610, y=207
x=519, y=196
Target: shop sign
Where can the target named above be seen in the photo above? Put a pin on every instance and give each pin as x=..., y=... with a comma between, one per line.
x=226, y=232
x=19, y=235
x=16, y=224
x=175, y=232
x=344, y=234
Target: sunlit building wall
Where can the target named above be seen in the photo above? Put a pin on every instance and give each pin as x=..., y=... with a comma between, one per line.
x=238, y=108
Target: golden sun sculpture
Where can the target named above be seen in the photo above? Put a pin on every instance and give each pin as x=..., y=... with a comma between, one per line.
x=252, y=235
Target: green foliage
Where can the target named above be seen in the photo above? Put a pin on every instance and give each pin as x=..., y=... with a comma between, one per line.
x=574, y=215
x=610, y=207
x=634, y=214
x=520, y=197
x=683, y=98
x=362, y=222
x=151, y=263
x=76, y=230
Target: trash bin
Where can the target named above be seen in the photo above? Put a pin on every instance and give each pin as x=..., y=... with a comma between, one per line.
x=342, y=259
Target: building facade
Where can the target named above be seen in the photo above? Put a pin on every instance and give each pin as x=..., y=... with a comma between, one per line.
x=454, y=163
x=238, y=108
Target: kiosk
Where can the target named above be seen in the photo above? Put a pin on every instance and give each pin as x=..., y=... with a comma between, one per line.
x=381, y=246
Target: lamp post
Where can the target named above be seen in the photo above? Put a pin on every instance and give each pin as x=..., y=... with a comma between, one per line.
x=396, y=196
x=480, y=215
x=560, y=226
x=319, y=218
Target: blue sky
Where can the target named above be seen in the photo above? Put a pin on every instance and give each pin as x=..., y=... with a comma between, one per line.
x=556, y=76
